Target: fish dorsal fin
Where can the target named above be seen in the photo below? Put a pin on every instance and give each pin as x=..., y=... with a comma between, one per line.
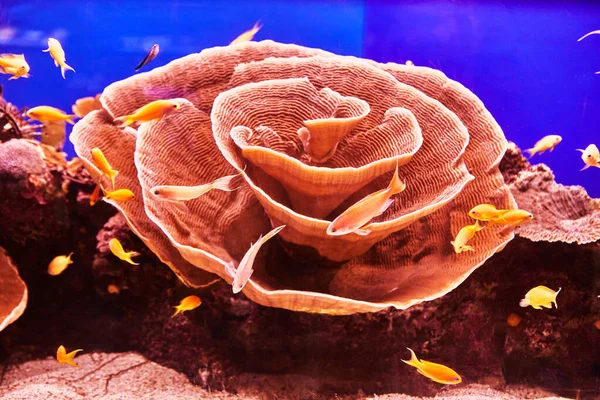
x=13, y=56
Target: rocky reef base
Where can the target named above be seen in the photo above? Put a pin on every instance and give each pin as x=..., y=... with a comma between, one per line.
x=232, y=348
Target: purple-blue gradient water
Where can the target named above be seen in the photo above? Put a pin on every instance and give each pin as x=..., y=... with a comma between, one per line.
x=521, y=58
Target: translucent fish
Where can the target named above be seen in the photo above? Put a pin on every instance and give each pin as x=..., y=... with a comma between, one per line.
x=149, y=57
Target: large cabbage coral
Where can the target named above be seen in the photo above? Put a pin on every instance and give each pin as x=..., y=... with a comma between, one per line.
x=310, y=133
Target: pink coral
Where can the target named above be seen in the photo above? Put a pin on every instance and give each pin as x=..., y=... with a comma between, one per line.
x=310, y=133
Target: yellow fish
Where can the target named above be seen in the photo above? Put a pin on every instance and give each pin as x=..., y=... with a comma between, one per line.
x=46, y=114
x=185, y=193
x=485, y=212
x=118, y=195
x=546, y=143
x=59, y=264
x=590, y=156
x=513, y=217
x=15, y=65
x=102, y=164
x=187, y=304
x=463, y=237
x=156, y=110
x=66, y=358
x=357, y=216
x=241, y=275
x=117, y=249
x=248, y=35
x=436, y=372
x=540, y=296
x=58, y=54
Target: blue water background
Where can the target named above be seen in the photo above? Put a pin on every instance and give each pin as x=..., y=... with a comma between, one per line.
x=521, y=58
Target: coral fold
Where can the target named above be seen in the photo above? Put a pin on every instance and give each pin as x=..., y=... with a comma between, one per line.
x=13, y=296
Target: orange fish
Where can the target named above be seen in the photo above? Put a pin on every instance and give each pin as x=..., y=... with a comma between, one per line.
x=485, y=212
x=118, y=251
x=513, y=217
x=100, y=161
x=155, y=110
x=463, y=237
x=436, y=372
x=359, y=215
x=59, y=264
x=118, y=195
x=248, y=35
x=66, y=358
x=513, y=320
x=187, y=304
x=95, y=196
x=46, y=114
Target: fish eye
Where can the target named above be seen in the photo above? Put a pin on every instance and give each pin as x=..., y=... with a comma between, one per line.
x=589, y=155
x=530, y=216
x=175, y=106
x=156, y=192
x=333, y=230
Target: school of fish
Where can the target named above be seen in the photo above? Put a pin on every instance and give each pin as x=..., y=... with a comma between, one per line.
x=354, y=220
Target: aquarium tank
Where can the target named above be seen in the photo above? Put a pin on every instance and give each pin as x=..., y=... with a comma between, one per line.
x=299, y=199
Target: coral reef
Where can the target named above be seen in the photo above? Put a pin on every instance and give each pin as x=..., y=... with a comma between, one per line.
x=562, y=213
x=310, y=133
x=231, y=343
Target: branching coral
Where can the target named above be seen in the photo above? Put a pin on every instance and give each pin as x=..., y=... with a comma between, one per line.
x=310, y=133
x=13, y=296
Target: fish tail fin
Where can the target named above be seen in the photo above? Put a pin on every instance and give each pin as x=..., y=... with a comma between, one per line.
x=271, y=234
x=105, y=193
x=531, y=152
x=112, y=175
x=257, y=26
x=69, y=119
x=125, y=120
x=396, y=185
x=177, y=311
x=478, y=226
x=132, y=254
x=64, y=67
x=224, y=183
x=468, y=248
x=414, y=361
x=554, y=299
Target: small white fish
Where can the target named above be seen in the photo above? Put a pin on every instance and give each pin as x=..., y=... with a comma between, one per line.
x=149, y=57
x=590, y=156
x=185, y=193
x=244, y=270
